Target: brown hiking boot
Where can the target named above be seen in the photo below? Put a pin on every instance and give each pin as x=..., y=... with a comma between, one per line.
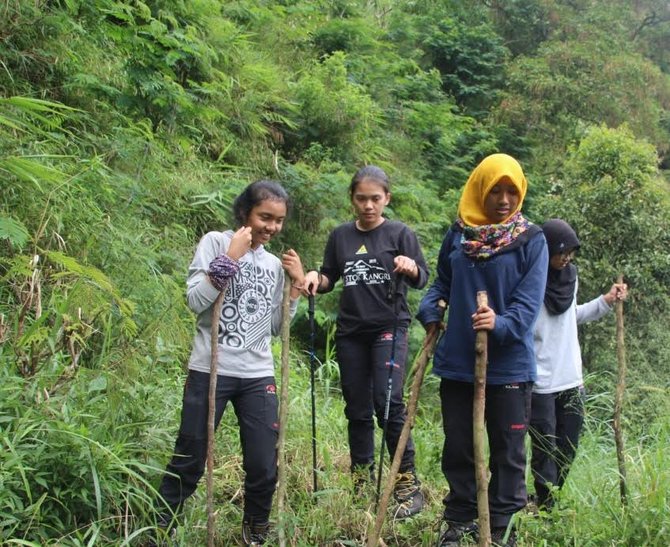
x=407, y=492
x=255, y=533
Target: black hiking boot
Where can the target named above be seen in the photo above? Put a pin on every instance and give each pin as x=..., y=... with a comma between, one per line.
x=407, y=492
x=458, y=532
x=362, y=476
x=255, y=533
x=165, y=533
x=498, y=537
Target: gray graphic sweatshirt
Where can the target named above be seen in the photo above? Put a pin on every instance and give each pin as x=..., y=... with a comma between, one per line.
x=250, y=315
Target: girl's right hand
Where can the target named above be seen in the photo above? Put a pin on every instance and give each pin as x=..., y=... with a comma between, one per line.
x=240, y=244
x=311, y=284
x=484, y=318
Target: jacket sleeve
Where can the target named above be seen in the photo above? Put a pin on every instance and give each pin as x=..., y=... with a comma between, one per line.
x=409, y=246
x=429, y=311
x=200, y=293
x=524, y=303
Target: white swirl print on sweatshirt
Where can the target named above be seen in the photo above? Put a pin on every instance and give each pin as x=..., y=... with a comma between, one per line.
x=247, y=308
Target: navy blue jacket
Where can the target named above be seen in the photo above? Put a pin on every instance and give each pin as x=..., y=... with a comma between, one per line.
x=514, y=280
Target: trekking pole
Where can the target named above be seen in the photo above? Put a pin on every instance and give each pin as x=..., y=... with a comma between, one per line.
x=312, y=362
x=211, y=414
x=283, y=410
x=479, y=431
x=618, y=399
x=393, y=294
x=421, y=364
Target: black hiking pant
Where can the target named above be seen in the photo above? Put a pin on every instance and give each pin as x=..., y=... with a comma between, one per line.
x=556, y=423
x=364, y=361
x=255, y=404
x=507, y=413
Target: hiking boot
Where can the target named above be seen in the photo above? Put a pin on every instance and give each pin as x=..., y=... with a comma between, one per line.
x=255, y=533
x=498, y=537
x=407, y=492
x=163, y=537
x=458, y=532
x=165, y=532
x=362, y=475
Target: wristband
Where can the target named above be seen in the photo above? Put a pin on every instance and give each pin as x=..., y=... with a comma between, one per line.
x=221, y=269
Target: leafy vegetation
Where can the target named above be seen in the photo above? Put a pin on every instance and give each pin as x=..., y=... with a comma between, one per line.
x=126, y=128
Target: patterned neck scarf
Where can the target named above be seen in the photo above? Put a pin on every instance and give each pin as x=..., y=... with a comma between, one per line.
x=482, y=242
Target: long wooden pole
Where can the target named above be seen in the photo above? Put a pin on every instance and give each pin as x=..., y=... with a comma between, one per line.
x=312, y=366
x=283, y=411
x=213, y=369
x=420, y=369
x=479, y=430
x=618, y=400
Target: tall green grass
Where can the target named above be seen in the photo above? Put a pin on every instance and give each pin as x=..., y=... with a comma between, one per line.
x=81, y=468
x=589, y=511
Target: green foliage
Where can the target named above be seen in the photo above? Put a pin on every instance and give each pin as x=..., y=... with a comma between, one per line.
x=127, y=128
x=332, y=111
x=572, y=83
x=524, y=24
x=470, y=60
x=612, y=196
x=594, y=515
x=13, y=231
x=348, y=35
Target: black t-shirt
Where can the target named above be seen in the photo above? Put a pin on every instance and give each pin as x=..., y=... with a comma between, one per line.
x=364, y=261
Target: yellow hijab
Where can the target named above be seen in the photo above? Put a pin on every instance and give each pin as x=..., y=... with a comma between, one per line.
x=485, y=176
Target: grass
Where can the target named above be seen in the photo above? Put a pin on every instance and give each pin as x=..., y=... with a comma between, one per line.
x=589, y=511
x=82, y=468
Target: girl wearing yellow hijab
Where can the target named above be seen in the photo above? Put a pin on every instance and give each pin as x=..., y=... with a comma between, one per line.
x=492, y=248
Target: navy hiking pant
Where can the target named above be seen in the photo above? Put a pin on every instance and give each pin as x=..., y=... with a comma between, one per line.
x=507, y=414
x=556, y=423
x=255, y=404
x=364, y=361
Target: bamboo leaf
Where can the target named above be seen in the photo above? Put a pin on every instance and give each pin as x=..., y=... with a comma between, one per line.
x=98, y=278
x=13, y=230
x=30, y=170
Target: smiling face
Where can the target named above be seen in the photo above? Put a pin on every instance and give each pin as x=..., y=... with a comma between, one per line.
x=501, y=202
x=266, y=220
x=369, y=199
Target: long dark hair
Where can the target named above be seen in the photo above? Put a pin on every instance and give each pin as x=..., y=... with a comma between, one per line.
x=254, y=194
x=370, y=172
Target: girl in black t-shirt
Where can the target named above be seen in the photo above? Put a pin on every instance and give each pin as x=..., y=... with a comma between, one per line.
x=376, y=259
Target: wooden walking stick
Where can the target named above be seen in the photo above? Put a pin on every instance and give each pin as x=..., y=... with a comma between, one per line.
x=618, y=399
x=283, y=410
x=421, y=364
x=479, y=430
x=213, y=369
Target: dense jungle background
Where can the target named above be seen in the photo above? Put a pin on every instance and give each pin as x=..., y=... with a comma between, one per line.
x=126, y=127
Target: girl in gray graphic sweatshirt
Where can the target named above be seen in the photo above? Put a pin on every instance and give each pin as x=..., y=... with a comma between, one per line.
x=252, y=279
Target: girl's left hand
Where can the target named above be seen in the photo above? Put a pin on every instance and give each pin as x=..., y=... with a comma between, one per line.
x=291, y=262
x=484, y=319
x=406, y=266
